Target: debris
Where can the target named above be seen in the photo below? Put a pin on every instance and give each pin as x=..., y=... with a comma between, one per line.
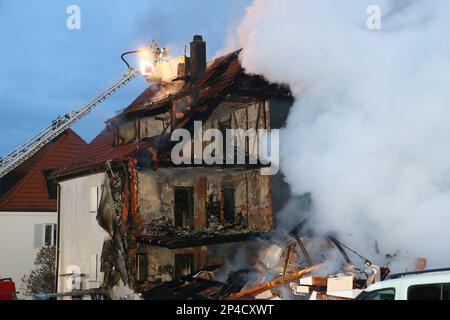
x=314, y=281
x=340, y=284
x=373, y=273
x=266, y=295
x=288, y=256
x=271, y=257
x=324, y=296
x=347, y=294
x=274, y=283
x=421, y=264
x=300, y=290
x=91, y=294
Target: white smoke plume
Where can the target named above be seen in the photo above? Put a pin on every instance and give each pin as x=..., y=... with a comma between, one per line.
x=369, y=134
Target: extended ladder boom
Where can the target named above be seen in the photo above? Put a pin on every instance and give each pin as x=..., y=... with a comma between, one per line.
x=59, y=125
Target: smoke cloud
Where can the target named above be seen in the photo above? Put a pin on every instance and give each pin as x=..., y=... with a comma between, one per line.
x=368, y=135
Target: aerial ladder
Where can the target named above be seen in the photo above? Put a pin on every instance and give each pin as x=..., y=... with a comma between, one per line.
x=62, y=123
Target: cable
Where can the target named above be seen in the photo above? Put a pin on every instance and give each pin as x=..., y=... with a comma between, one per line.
x=353, y=251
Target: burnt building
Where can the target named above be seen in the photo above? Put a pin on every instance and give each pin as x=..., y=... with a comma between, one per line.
x=129, y=212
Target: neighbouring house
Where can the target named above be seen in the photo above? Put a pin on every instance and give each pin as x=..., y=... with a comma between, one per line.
x=28, y=206
x=127, y=212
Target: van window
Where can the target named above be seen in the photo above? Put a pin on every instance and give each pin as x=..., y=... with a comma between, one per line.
x=383, y=294
x=435, y=291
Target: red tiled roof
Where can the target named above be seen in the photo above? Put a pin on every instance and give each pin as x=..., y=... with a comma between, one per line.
x=29, y=192
x=98, y=147
x=101, y=150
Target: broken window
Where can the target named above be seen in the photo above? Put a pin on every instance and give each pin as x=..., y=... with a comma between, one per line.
x=229, y=205
x=184, y=210
x=184, y=265
x=213, y=208
x=142, y=267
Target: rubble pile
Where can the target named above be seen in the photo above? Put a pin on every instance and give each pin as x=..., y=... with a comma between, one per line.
x=282, y=271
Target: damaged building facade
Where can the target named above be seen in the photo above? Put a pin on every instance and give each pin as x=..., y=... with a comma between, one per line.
x=130, y=219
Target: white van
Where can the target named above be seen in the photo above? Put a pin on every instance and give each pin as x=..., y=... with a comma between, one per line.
x=424, y=285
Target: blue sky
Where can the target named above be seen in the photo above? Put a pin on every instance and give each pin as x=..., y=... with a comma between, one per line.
x=47, y=70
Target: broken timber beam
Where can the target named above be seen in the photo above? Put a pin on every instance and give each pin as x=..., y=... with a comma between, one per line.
x=304, y=251
x=313, y=281
x=338, y=244
x=273, y=284
x=286, y=262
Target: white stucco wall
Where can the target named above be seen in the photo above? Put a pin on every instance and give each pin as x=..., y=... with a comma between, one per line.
x=81, y=238
x=18, y=243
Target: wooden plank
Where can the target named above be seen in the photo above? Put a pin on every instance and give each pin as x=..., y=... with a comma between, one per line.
x=286, y=262
x=273, y=284
x=314, y=281
x=324, y=296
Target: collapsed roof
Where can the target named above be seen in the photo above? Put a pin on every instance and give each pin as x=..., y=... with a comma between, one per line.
x=223, y=78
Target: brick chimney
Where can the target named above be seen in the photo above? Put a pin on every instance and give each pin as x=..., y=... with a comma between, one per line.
x=198, y=58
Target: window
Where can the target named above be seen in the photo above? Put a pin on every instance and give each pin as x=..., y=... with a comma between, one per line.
x=95, y=199
x=379, y=295
x=142, y=267
x=435, y=291
x=44, y=235
x=184, y=265
x=184, y=210
x=50, y=235
x=229, y=205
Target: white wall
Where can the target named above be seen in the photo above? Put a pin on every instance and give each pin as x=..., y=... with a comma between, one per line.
x=18, y=245
x=81, y=238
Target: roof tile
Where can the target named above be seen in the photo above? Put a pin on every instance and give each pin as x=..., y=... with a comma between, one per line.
x=29, y=190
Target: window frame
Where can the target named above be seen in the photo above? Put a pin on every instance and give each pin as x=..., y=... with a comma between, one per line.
x=53, y=235
x=141, y=267
x=189, y=202
x=442, y=288
x=178, y=259
x=97, y=192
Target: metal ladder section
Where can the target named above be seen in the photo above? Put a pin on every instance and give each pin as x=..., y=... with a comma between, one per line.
x=59, y=125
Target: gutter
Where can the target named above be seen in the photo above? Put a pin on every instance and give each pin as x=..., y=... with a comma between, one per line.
x=58, y=236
